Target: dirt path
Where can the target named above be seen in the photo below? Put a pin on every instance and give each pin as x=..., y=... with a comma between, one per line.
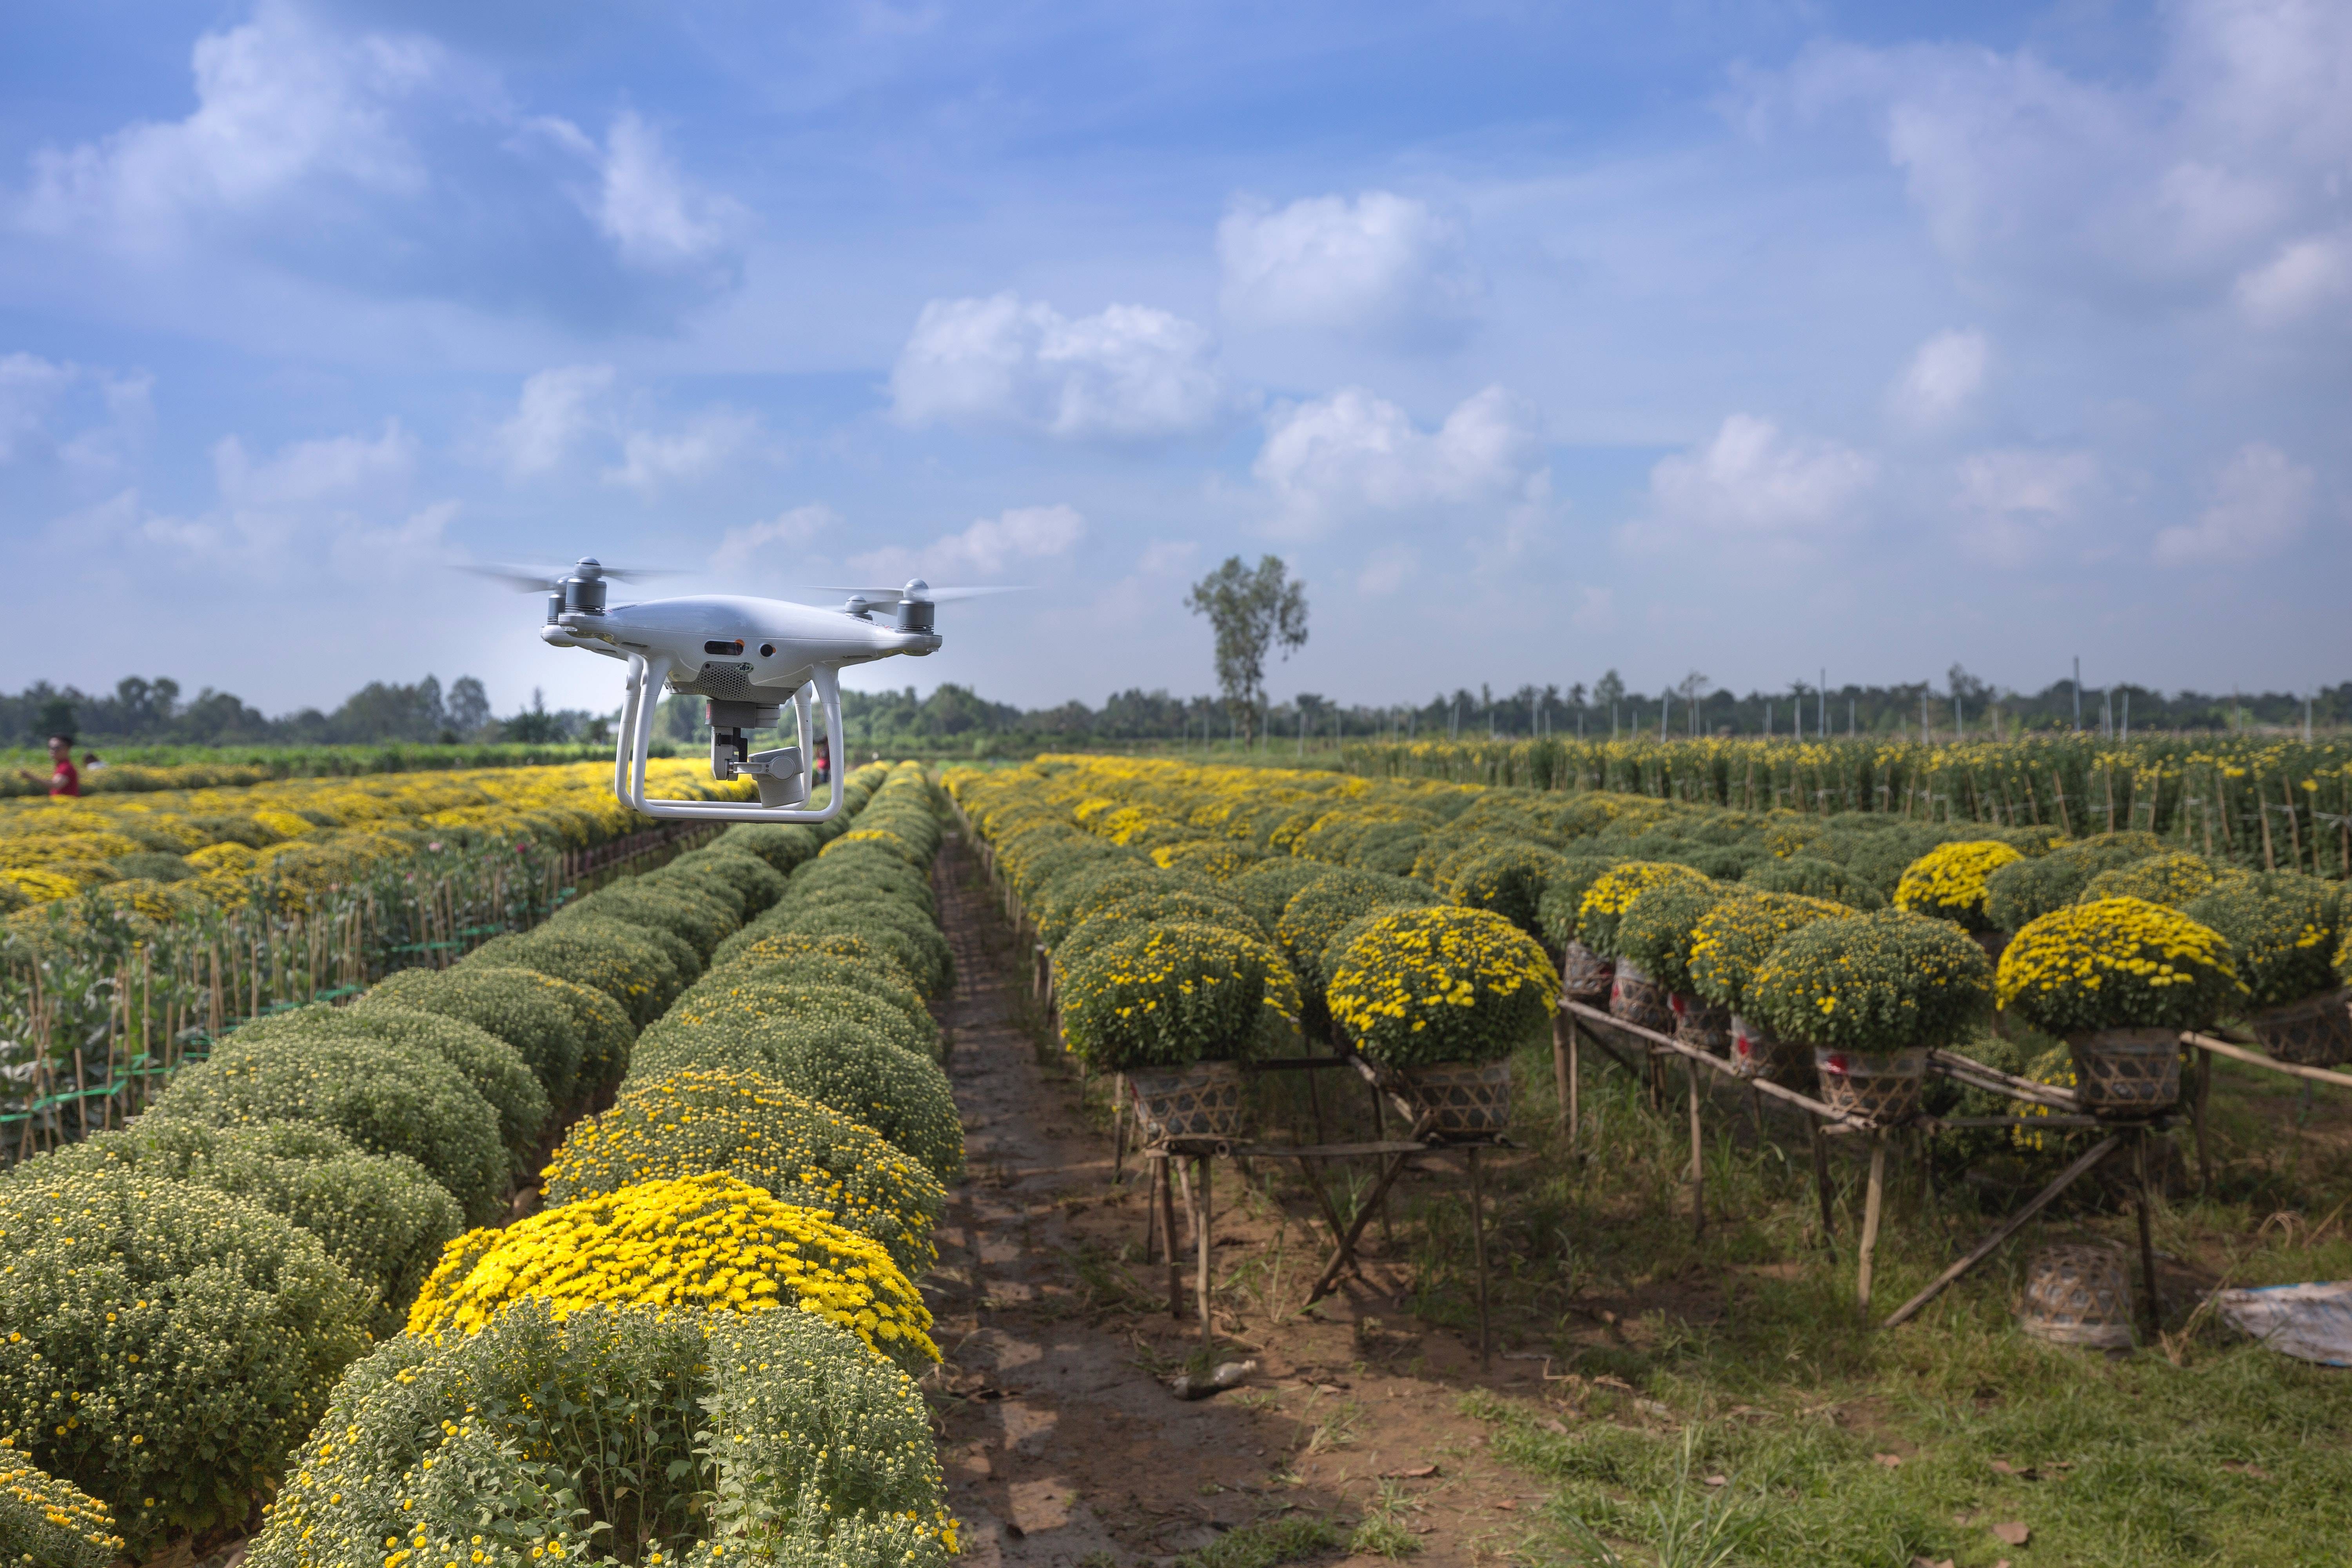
x=1061, y=1443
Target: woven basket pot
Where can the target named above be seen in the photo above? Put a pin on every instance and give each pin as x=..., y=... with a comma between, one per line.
x=1757, y=1053
x=1585, y=975
x=1701, y=1027
x=2315, y=1032
x=2133, y=1072
x=1876, y=1087
x=1464, y=1097
x=1639, y=1000
x=2078, y=1296
x=1202, y=1100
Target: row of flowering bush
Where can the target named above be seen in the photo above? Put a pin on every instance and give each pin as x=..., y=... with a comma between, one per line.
x=191, y=1289
x=1868, y=935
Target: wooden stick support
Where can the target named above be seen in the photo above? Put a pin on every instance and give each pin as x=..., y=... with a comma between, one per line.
x=1822, y=1183
x=1169, y=1171
x=1561, y=1027
x=2008, y=1228
x=1478, y=1247
x=1698, y=1155
x=1201, y=1236
x=2147, y=1236
x=1873, y=1205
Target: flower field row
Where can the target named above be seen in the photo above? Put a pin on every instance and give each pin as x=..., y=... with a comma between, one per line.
x=2278, y=804
x=221, y=905
x=1193, y=913
x=260, y=1304
x=141, y=769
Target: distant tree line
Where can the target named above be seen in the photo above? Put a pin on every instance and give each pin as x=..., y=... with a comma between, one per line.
x=152, y=712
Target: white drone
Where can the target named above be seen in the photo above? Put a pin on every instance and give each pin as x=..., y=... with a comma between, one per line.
x=751, y=658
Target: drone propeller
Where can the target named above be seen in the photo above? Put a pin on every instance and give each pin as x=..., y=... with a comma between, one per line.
x=917, y=589
x=540, y=579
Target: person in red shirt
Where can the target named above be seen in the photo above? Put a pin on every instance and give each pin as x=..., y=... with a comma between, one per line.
x=66, y=779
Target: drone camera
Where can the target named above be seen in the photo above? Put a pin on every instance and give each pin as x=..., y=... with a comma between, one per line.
x=721, y=645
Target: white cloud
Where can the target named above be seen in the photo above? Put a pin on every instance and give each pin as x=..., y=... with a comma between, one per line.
x=38, y=395
x=1390, y=567
x=1943, y=378
x=651, y=459
x=2305, y=277
x=2011, y=502
x=557, y=407
x=2261, y=502
x=656, y=217
x=1162, y=556
x=1383, y=264
x=986, y=549
x=2229, y=152
x=1751, y=482
x=1354, y=453
x=743, y=548
x=1129, y=373
x=280, y=101
x=307, y=472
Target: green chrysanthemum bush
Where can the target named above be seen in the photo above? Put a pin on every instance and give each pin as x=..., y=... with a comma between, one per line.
x=1139, y=910
x=1873, y=983
x=1266, y=889
x=1814, y=877
x=1732, y=938
x=852, y=868
x=495, y=1069
x=2024, y=890
x=1561, y=907
x=751, y=1128
x=1420, y=986
x=605, y=955
x=1314, y=918
x=687, y=913
x=1658, y=928
x=48, y=1523
x=2117, y=963
x=905, y=932
x=1169, y=995
x=834, y=1061
x=1949, y=881
x=706, y=1240
x=1218, y=860
x=380, y=1217
x=2283, y=929
x=1610, y=894
x=2174, y=878
x=162, y=1346
x=388, y=1098
x=782, y=845
x=1067, y=906
x=525, y=1009
x=748, y=873
x=687, y=1440
x=736, y=995
x=877, y=967
x=1509, y=880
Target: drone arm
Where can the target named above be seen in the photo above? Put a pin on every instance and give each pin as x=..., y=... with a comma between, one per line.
x=645, y=679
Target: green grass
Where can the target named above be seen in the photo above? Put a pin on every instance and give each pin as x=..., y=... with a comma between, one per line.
x=1775, y=1385
x=1268, y=1543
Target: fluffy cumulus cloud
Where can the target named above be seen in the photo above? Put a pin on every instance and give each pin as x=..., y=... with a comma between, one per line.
x=696, y=449
x=2263, y=501
x=281, y=102
x=558, y=407
x=1754, y=483
x=1382, y=264
x=1128, y=373
x=1024, y=535
x=305, y=472
x=2014, y=502
x=580, y=413
x=1942, y=379
x=84, y=417
x=1354, y=454
x=2219, y=174
x=656, y=218
x=773, y=541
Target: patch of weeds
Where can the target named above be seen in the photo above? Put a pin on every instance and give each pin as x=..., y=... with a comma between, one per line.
x=1382, y=1531
x=1332, y=1426
x=1692, y=1525
x=1268, y=1543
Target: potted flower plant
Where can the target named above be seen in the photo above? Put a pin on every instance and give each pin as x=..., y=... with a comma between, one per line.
x=1873, y=994
x=2283, y=929
x=1634, y=995
x=1584, y=975
x=1727, y=946
x=1176, y=1007
x=2119, y=979
x=1949, y=882
x=1655, y=935
x=1444, y=996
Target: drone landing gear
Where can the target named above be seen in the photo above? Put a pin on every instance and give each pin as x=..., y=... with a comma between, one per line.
x=781, y=775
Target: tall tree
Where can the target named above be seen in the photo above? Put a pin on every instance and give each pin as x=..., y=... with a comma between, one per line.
x=1252, y=612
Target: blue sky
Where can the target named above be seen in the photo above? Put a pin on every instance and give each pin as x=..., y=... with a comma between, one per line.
x=1737, y=337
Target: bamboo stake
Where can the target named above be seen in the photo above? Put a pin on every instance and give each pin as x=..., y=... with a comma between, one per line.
x=1873, y=1204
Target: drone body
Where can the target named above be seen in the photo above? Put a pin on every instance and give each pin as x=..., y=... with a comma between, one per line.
x=749, y=659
